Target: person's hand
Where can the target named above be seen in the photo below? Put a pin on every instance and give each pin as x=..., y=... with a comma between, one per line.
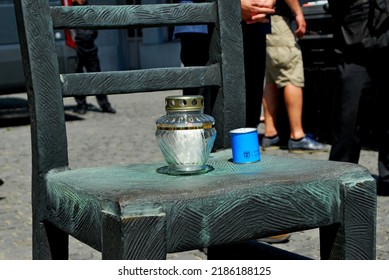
x=301, y=25
x=257, y=10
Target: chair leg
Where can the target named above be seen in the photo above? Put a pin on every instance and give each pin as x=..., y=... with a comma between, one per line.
x=355, y=237
x=49, y=242
x=331, y=240
x=134, y=238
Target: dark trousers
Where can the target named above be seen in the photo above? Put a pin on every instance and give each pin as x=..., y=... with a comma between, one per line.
x=362, y=81
x=194, y=52
x=90, y=61
x=254, y=47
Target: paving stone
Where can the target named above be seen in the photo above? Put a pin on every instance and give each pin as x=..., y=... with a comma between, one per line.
x=97, y=139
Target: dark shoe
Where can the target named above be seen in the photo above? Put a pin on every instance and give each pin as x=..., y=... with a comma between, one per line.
x=270, y=143
x=81, y=109
x=108, y=109
x=282, y=238
x=307, y=144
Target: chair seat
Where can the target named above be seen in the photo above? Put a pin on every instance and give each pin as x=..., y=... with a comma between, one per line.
x=274, y=195
x=134, y=212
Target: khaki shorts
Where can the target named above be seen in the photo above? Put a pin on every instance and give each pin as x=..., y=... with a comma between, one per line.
x=284, y=63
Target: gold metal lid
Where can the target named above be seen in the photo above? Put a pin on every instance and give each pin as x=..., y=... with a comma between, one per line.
x=184, y=103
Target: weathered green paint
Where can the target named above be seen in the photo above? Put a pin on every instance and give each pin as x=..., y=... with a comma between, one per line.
x=254, y=200
x=134, y=212
x=130, y=16
x=125, y=82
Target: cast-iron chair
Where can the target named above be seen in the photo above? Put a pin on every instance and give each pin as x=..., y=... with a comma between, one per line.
x=133, y=212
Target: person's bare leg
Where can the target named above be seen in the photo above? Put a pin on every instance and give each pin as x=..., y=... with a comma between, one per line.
x=293, y=96
x=270, y=109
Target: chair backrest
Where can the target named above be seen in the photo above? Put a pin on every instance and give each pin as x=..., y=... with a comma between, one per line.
x=46, y=87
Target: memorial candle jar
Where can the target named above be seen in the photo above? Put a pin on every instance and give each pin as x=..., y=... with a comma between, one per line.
x=185, y=135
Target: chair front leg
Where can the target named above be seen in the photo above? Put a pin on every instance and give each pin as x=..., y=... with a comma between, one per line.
x=134, y=237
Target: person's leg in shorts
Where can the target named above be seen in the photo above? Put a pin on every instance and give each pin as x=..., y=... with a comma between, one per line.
x=285, y=71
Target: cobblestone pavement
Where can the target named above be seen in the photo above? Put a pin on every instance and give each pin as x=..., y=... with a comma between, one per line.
x=97, y=139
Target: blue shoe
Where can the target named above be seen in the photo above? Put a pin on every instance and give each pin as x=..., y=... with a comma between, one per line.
x=307, y=144
x=270, y=143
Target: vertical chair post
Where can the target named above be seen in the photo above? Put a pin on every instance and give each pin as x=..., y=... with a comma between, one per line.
x=230, y=105
x=49, y=144
x=133, y=238
x=343, y=241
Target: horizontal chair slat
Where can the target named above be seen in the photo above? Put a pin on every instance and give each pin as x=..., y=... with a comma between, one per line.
x=125, y=16
x=116, y=82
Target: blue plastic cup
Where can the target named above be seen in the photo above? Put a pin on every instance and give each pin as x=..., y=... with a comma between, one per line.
x=245, y=146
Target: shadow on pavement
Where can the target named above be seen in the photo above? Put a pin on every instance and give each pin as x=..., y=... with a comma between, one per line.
x=14, y=112
x=251, y=250
x=1, y=182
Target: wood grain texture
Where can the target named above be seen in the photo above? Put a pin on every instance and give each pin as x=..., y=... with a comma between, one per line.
x=275, y=195
x=140, y=80
x=227, y=48
x=350, y=239
x=121, y=238
x=47, y=118
x=43, y=88
x=134, y=212
x=135, y=16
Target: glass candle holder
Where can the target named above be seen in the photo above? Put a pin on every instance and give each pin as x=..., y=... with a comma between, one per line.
x=185, y=135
